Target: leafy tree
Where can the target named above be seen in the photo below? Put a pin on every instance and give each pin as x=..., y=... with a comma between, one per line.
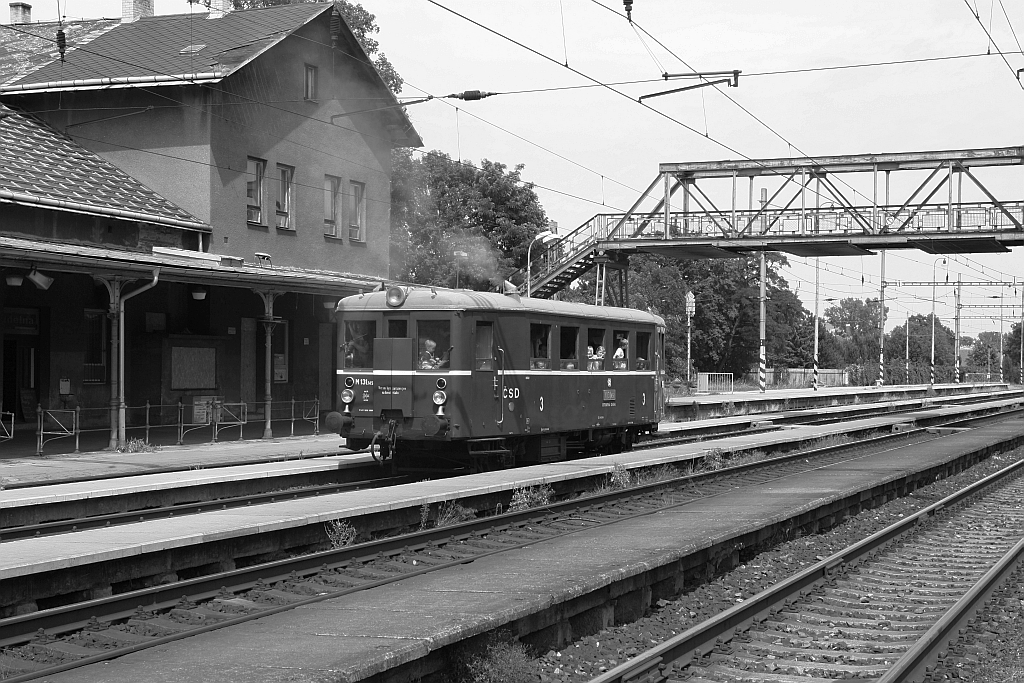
x=441, y=205
x=920, y=351
x=361, y=22
x=984, y=356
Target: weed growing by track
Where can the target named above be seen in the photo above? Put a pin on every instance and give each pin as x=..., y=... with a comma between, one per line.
x=504, y=660
x=135, y=445
x=530, y=497
x=340, y=533
x=450, y=512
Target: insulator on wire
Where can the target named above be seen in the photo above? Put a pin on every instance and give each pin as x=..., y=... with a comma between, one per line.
x=628, y=4
x=62, y=43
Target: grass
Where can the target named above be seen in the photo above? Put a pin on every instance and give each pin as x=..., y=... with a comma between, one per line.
x=503, y=660
x=530, y=497
x=451, y=512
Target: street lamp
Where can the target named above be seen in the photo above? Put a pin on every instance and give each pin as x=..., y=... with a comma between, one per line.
x=546, y=234
x=458, y=255
x=931, y=381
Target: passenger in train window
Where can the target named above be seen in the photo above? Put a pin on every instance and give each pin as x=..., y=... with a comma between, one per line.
x=427, y=359
x=623, y=349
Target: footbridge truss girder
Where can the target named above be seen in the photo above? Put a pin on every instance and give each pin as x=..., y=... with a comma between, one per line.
x=942, y=202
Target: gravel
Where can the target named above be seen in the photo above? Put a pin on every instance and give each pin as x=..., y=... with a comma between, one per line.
x=994, y=652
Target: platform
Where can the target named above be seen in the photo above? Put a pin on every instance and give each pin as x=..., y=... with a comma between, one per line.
x=90, y=546
x=363, y=634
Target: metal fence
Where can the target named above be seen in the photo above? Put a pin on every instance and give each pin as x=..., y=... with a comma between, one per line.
x=209, y=413
x=714, y=383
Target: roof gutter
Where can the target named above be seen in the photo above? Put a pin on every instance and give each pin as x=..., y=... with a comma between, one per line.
x=93, y=83
x=45, y=202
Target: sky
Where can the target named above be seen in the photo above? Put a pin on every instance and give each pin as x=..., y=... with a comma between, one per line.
x=593, y=150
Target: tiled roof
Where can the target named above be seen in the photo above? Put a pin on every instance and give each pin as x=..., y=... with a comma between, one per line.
x=26, y=47
x=158, y=46
x=41, y=167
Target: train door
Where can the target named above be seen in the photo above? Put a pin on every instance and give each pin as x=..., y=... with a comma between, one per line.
x=489, y=364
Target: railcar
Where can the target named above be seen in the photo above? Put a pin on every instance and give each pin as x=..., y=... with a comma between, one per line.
x=446, y=379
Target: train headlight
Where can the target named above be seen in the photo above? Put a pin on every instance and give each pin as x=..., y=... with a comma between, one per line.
x=439, y=397
x=396, y=296
x=347, y=395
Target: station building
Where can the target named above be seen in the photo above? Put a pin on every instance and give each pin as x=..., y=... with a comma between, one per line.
x=183, y=199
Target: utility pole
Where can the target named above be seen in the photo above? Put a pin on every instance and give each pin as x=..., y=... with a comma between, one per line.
x=761, y=362
x=881, y=326
x=906, y=357
x=817, y=282
x=956, y=345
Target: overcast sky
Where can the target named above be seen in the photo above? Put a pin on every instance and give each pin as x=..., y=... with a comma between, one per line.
x=591, y=150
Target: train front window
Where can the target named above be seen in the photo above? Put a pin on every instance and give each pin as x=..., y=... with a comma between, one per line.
x=567, y=348
x=357, y=348
x=621, y=354
x=398, y=329
x=484, y=346
x=540, y=347
x=595, y=349
x=643, y=351
x=434, y=344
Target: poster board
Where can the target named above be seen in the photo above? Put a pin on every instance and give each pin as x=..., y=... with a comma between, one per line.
x=193, y=367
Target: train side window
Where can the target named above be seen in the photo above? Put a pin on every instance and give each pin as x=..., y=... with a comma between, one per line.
x=568, y=348
x=484, y=346
x=540, y=347
x=398, y=328
x=620, y=357
x=434, y=344
x=357, y=350
x=643, y=351
x=595, y=348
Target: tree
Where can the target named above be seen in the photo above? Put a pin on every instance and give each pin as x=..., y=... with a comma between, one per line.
x=361, y=22
x=440, y=205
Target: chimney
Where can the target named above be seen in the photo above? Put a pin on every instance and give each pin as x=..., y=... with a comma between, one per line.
x=133, y=10
x=21, y=13
x=218, y=8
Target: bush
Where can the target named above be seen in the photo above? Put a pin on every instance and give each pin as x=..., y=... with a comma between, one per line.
x=134, y=445
x=530, y=497
x=340, y=533
x=714, y=459
x=504, y=662
x=450, y=512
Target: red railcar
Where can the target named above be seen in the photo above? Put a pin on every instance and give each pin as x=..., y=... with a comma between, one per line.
x=436, y=378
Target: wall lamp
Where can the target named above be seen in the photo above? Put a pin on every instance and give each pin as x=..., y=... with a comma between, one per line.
x=41, y=281
x=14, y=279
x=330, y=304
x=198, y=293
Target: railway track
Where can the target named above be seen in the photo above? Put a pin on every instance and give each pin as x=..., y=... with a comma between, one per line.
x=885, y=609
x=74, y=635
x=132, y=516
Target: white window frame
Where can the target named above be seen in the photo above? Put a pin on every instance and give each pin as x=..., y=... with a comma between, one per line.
x=285, y=197
x=332, y=205
x=255, y=174
x=310, y=84
x=357, y=211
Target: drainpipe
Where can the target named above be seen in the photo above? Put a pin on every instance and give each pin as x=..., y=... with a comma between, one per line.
x=120, y=360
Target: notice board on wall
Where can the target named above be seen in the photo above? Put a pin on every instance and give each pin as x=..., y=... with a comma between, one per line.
x=193, y=367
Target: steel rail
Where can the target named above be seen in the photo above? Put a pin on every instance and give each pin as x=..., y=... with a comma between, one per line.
x=133, y=516
x=690, y=645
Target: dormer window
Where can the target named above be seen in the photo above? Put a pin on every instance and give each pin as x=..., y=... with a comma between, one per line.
x=310, y=92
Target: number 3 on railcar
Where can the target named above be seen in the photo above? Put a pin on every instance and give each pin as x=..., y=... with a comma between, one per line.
x=443, y=379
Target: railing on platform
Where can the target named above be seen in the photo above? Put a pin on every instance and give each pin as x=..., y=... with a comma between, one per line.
x=210, y=412
x=714, y=383
x=56, y=424
x=6, y=426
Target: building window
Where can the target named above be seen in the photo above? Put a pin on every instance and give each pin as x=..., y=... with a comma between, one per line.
x=254, y=171
x=356, y=211
x=332, y=192
x=310, y=92
x=285, y=198
x=95, y=362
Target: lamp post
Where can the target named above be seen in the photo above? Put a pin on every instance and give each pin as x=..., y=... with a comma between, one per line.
x=458, y=255
x=931, y=381
x=539, y=236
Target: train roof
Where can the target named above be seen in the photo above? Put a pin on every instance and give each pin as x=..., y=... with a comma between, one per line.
x=421, y=298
